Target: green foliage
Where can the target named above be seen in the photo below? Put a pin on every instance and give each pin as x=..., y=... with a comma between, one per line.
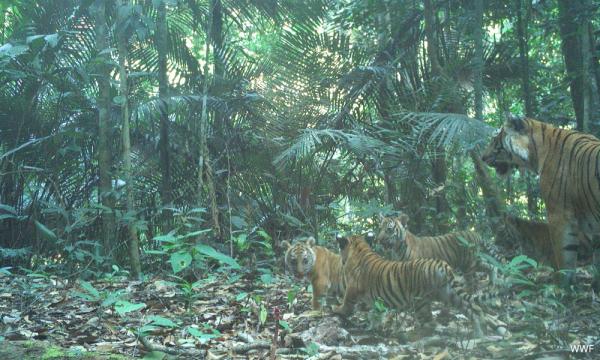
x=311, y=350
x=123, y=307
x=105, y=297
x=205, y=335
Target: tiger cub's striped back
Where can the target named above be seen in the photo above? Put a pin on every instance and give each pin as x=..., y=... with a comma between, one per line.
x=406, y=285
x=458, y=249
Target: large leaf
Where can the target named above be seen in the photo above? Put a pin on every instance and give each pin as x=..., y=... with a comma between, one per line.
x=180, y=260
x=123, y=307
x=216, y=255
x=48, y=234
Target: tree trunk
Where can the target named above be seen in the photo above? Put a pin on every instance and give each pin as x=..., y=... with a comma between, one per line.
x=133, y=241
x=523, y=14
x=205, y=172
x=219, y=120
x=571, y=48
x=162, y=46
x=493, y=201
x=478, y=61
x=439, y=166
x=104, y=128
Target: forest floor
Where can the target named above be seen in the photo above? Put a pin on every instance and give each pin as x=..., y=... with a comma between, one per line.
x=236, y=315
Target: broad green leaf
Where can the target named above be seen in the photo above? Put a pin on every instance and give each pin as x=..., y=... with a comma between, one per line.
x=112, y=298
x=48, y=234
x=266, y=278
x=90, y=289
x=241, y=296
x=161, y=321
x=203, y=337
x=284, y=324
x=123, y=307
x=180, y=260
x=263, y=314
x=169, y=237
x=219, y=256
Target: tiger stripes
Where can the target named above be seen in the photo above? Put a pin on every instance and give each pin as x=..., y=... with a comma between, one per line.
x=568, y=164
x=458, y=249
x=405, y=285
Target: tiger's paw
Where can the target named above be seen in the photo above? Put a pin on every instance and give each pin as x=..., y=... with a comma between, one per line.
x=340, y=310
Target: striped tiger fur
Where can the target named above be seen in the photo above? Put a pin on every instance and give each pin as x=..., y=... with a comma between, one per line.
x=458, y=249
x=568, y=163
x=404, y=285
x=533, y=237
x=322, y=266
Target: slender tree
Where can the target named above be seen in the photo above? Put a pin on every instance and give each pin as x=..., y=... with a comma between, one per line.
x=123, y=33
x=104, y=155
x=523, y=10
x=162, y=46
x=439, y=165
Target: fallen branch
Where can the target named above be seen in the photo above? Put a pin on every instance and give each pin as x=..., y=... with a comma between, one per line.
x=244, y=348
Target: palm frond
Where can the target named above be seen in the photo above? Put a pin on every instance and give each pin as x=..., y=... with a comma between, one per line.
x=447, y=129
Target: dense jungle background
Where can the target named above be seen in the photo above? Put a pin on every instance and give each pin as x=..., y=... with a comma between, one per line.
x=155, y=154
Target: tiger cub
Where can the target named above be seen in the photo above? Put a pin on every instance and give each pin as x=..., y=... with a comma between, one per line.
x=534, y=239
x=322, y=266
x=458, y=249
x=404, y=285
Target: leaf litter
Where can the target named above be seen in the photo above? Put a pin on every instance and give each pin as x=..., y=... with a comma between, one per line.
x=233, y=316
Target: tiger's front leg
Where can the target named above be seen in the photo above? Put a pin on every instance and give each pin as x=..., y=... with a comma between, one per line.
x=320, y=288
x=347, y=305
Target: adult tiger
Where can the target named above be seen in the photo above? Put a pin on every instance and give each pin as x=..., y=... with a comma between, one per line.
x=405, y=285
x=458, y=249
x=567, y=162
x=322, y=266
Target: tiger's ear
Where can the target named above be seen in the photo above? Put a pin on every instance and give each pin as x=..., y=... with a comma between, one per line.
x=370, y=238
x=342, y=241
x=404, y=219
x=286, y=244
x=311, y=241
x=381, y=217
x=514, y=123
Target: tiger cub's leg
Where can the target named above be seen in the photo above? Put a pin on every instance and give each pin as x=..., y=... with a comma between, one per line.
x=565, y=242
x=347, y=305
x=456, y=295
x=320, y=288
x=424, y=319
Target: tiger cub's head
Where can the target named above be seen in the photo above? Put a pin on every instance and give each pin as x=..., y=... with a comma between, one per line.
x=351, y=247
x=509, y=149
x=300, y=257
x=392, y=231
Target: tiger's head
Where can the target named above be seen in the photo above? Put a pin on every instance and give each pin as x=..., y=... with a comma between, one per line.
x=392, y=230
x=509, y=149
x=351, y=247
x=300, y=256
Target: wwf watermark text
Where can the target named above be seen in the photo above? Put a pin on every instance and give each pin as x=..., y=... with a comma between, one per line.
x=582, y=348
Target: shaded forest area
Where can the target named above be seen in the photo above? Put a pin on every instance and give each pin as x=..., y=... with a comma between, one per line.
x=155, y=155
